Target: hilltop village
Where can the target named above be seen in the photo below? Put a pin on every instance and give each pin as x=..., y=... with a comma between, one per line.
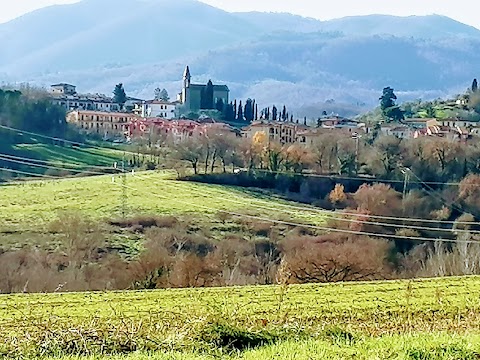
x=198, y=108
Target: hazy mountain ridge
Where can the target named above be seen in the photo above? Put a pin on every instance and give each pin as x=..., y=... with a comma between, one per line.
x=146, y=43
x=427, y=27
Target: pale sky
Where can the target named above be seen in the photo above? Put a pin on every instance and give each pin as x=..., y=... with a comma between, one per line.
x=462, y=10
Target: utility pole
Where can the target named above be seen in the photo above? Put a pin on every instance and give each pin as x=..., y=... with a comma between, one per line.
x=124, y=188
x=356, y=136
x=406, y=178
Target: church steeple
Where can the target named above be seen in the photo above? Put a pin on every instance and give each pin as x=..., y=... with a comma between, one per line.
x=186, y=77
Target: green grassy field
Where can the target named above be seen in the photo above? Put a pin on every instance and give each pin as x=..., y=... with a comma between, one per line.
x=429, y=319
x=77, y=159
x=34, y=204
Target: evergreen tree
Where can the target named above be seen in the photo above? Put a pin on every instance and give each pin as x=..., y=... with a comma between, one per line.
x=228, y=113
x=274, y=113
x=220, y=105
x=389, y=109
x=305, y=121
x=387, y=100
x=249, y=111
x=235, y=109
x=474, y=85
x=256, y=112
x=158, y=93
x=240, y=112
x=207, y=97
x=284, y=113
x=119, y=95
x=291, y=118
x=164, y=95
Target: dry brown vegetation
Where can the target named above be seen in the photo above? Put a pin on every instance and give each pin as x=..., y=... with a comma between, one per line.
x=234, y=250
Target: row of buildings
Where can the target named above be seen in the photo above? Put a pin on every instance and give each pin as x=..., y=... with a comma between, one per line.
x=100, y=114
x=133, y=125
x=96, y=113
x=452, y=129
x=191, y=98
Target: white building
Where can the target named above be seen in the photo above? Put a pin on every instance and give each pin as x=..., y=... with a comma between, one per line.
x=63, y=89
x=90, y=102
x=156, y=109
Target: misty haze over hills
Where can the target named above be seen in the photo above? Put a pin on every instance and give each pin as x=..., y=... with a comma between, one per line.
x=147, y=43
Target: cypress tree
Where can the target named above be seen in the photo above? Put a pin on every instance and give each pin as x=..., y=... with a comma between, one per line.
x=240, y=112
x=274, y=113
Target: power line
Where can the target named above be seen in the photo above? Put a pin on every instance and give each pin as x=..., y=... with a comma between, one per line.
x=289, y=223
x=313, y=175
x=326, y=212
x=341, y=177
x=49, y=167
x=27, y=173
x=329, y=215
x=76, y=143
x=55, y=164
x=344, y=213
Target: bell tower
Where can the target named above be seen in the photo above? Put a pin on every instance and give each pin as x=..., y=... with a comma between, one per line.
x=186, y=77
x=186, y=84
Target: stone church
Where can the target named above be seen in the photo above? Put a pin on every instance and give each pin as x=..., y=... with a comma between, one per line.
x=195, y=97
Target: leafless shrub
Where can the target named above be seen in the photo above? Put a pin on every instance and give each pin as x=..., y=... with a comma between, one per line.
x=332, y=258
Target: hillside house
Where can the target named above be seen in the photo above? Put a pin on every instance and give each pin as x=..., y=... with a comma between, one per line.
x=175, y=130
x=66, y=96
x=399, y=131
x=309, y=137
x=156, y=109
x=275, y=131
x=106, y=124
x=63, y=89
x=458, y=123
x=419, y=123
x=86, y=102
x=446, y=132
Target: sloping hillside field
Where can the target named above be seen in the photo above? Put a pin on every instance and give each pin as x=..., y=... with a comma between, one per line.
x=429, y=319
x=33, y=204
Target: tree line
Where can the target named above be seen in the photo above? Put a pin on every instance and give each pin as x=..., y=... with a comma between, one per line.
x=32, y=110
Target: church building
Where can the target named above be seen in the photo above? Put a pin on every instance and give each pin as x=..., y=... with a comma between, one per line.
x=195, y=97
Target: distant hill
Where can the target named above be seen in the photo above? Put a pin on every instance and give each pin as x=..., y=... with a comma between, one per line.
x=147, y=43
x=426, y=27
x=112, y=32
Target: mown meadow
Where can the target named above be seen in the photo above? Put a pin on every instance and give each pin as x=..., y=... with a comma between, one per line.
x=421, y=319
